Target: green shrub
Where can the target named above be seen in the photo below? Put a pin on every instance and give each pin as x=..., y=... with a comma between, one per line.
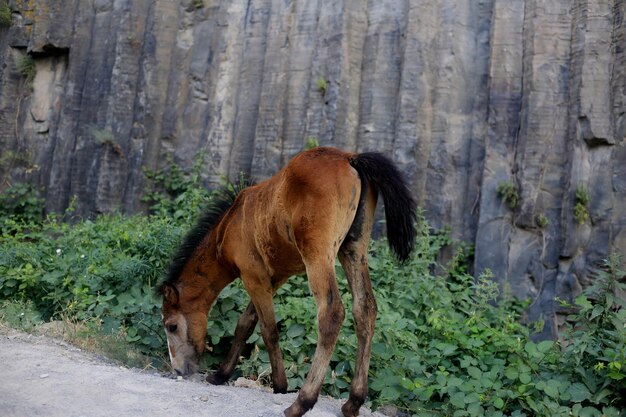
x=507, y=191
x=103, y=269
x=442, y=345
x=595, y=342
x=177, y=193
x=27, y=68
x=581, y=202
x=5, y=15
x=541, y=221
x=20, y=203
x=20, y=315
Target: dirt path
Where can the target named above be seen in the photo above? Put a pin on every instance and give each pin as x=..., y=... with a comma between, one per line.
x=40, y=376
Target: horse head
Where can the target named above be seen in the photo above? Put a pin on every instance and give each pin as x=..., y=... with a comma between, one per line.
x=185, y=329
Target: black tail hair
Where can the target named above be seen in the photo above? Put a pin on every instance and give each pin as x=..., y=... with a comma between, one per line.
x=378, y=171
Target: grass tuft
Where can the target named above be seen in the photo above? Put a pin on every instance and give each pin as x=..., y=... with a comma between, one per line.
x=27, y=68
x=5, y=15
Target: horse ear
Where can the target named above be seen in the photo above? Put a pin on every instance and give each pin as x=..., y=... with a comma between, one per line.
x=170, y=294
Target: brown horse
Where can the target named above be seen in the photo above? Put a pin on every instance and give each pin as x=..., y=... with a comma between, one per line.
x=320, y=206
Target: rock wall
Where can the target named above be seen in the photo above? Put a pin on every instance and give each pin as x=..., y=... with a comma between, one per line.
x=465, y=95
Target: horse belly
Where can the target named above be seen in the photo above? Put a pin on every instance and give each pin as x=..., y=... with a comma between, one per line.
x=279, y=252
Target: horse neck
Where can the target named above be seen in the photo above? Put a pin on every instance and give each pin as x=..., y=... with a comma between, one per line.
x=206, y=275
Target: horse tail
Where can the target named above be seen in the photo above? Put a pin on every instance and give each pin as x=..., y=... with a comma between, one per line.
x=379, y=172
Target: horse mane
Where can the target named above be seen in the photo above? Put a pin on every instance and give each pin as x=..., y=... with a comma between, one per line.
x=221, y=200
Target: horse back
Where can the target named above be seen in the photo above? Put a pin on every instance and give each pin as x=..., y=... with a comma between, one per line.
x=306, y=209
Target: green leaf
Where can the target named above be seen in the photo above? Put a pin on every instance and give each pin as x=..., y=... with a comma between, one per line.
x=597, y=311
x=341, y=384
x=576, y=409
x=486, y=381
x=475, y=409
x=226, y=305
x=472, y=398
x=426, y=393
x=600, y=396
x=579, y=392
x=295, y=330
x=545, y=346
x=446, y=349
x=441, y=380
x=458, y=400
x=511, y=373
x=524, y=378
x=390, y=393
x=454, y=382
x=131, y=334
x=405, y=383
x=551, y=388
x=533, y=405
x=474, y=372
x=379, y=349
x=531, y=349
x=498, y=403
x=589, y=412
x=583, y=302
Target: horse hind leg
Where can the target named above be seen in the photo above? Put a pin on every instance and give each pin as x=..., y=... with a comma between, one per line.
x=244, y=329
x=364, y=310
x=353, y=257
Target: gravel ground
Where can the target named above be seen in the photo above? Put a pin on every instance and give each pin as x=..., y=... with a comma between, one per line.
x=41, y=376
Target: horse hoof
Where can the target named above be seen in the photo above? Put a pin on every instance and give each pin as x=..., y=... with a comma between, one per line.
x=293, y=412
x=280, y=390
x=300, y=406
x=350, y=409
x=216, y=379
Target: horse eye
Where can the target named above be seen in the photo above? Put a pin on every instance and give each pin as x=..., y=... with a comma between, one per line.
x=172, y=328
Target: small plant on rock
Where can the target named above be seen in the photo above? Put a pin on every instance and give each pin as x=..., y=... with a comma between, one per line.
x=507, y=191
x=106, y=138
x=5, y=15
x=581, y=201
x=542, y=221
x=102, y=136
x=322, y=85
x=311, y=143
x=27, y=69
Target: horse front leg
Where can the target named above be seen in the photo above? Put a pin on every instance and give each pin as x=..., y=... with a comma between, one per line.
x=262, y=297
x=330, y=315
x=244, y=329
x=353, y=258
